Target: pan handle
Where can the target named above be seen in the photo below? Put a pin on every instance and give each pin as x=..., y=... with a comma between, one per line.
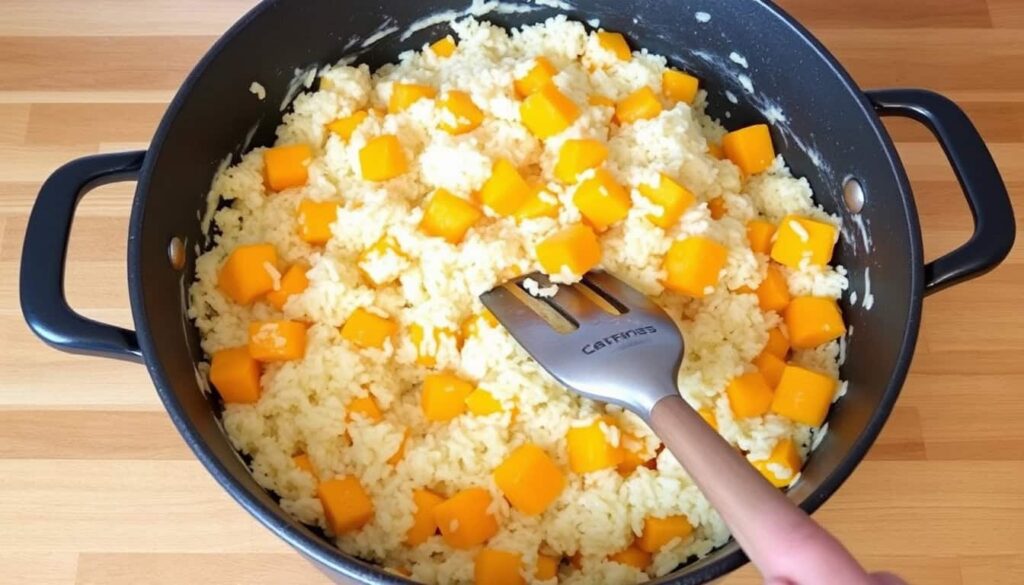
x=43, y=256
x=994, y=228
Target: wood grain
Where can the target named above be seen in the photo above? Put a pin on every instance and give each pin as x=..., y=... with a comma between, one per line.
x=96, y=487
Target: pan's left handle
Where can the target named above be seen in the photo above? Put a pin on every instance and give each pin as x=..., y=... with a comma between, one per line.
x=43, y=256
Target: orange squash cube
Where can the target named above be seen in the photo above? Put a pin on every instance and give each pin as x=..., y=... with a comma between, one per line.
x=464, y=519
x=540, y=203
x=539, y=75
x=749, y=395
x=812, y=321
x=548, y=111
x=467, y=116
x=600, y=100
x=506, y=190
x=631, y=459
x=750, y=148
x=286, y=166
x=449, y=216
x=315, y=219
x=632, y=556
x=365, y=407
x=770, y=366
x=717, y=208
x=497, y=567
x=784, y=455
x=302, y=462
x=803, y=395
x=547, y=567
x=773, y=292
x=678, y=86
x=480, y=402
x=244, y=276
x=642, y=104
x=577, y=155
x=673, y=198
x=530, y=479
x=444, y=47
x=798, y=238
x=424, y=525
x=404, y=95
x=277, y=341
x=383, y=158
x=400, y=451
x=574, y=248
x=660, y=531
x=235, y=375
x=344, y=127
x=444, y=396
x=602, y=200
x=759, y=234
x=589, y=449
x=293, y=282
x=692, y=265
x=614, y=42
x=426, y=353
x=716, y=151
x=367, y=329
x=778, y=343
x=346, y=504
x=708, y=414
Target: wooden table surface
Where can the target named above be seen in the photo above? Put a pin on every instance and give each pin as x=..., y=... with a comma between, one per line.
x=97, y=487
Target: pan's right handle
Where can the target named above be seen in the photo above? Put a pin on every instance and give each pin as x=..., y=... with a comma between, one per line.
x=43, y=256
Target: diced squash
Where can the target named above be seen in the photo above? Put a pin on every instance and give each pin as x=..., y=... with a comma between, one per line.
x=367, y=329
x=540, y=203
x=692, y=265
x=577, y=155
x=678, y=86
x=749, y=395
x=424, y=525
x=602, y=200
x=784, y=455
x=631, y=459
x=530, y=479
x=548, y=111
x=803, y=395
x=444, y=396
x=286, y=166
x=471, y=326
x=347, y=506
x=480, y=402
x=773, y=292
x=236, y=375
x=381, y=263
x=444, y=48
x=382, y=158
x=812, y=321
x=759, y=234
x=344, y=127
x=770, y=366
x=660, y=531
x=497, y=567
x=614, y=42
x=449, y=216
x=750, y=148
x=400, y=451
x=404, y=95
x=293, y=282
x=798, y=238
x=426, y=349
x=365, y=407
x=574, y=248
x=642, y=104
x=600, y=100
x=589, y=449
x=708, y=414
x=302, y=462
x=717, y=207
x=464, y=519
x=778, y=343
x=466, y=113
x=547, y=567
x=505, y=190
x=673, y=198
x=246, y=274
x=276, y=341
x=632, y=556
x=315, y=219
x=539, y=75
x=716, y=151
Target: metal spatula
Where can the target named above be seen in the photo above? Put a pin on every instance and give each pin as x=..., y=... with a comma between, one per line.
x=609, y=342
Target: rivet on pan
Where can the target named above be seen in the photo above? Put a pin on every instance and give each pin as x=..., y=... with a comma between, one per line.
x=853, y=195
x=176, y=253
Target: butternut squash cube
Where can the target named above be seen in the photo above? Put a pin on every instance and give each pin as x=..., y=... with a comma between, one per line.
x=773, y=292
x=365, y=407
x=466, y=114
x=803, y=395
x=464, y=519
x=574, y=248
x=631, y=459
x=277, y=341
x=404, y=95
x=480, y=402
x=293, y=282
x=600, y=100
x=244, y=276
x=660, y=531
x=750, y=148
x=424, y=525
x=235, y=375
x=449, y=216
x=778, y=343
x=497, y=567
x=812, y=321
x=642, y=104
x=547, y=567
x=717, y=208
x=692, y=265
x=673, y=198
x=530, y=479
x=577, y=155
x=347, y=506
x=548, y=111
x=708, y=414
x=366, y=329
x=315, y=219
x=286, y=166
x=539, y=75
x=632, y=556
x=444, y=48
x=678, y=86
x=716, y=151
x=400, y=451
x=540, y=203
x=302, y=462
x=602, y=200
x=344, y=127
x=798, y=238
x=784, y=455
x=589, y=449
x=614, y=42
x=383, y=158
x=749, y=395
x=770, y=366
x=506, y=190
x=759, y=234
x=426, y=349
x=444, y=396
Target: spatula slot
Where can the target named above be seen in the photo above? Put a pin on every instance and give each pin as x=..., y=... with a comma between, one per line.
x=551, y=313
x=607, y=302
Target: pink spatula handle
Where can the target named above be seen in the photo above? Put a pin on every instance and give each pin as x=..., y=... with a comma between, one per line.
x=785, y=544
